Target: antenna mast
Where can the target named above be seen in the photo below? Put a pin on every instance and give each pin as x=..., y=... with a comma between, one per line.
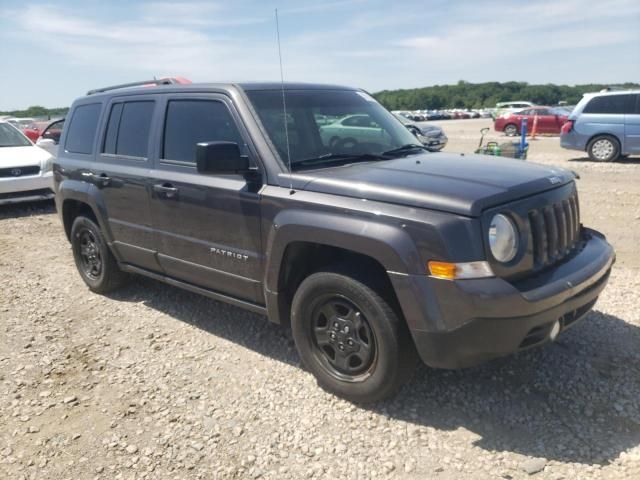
x=284, y=106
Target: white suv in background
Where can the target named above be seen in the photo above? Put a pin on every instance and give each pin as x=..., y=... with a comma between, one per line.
x=25, y=170
x=511, y=107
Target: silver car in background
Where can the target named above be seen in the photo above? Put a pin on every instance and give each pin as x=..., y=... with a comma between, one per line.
x=606, y=125
x=431, y=136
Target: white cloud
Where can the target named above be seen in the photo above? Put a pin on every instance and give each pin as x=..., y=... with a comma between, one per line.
x=381, y=46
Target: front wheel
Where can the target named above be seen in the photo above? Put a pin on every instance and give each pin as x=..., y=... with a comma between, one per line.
x=603, y=149
x=350, y=338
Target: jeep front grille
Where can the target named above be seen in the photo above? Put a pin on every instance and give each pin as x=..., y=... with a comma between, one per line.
x=555, y=231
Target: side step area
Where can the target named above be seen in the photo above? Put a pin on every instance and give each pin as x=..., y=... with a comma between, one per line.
x=192, y=288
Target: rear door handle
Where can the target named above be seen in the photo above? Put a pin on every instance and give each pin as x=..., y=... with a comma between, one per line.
x=166, y=189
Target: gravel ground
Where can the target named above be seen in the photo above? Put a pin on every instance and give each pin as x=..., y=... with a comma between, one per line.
x=154, y=382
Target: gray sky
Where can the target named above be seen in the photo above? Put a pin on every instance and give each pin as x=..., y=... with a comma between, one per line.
x=53, y=52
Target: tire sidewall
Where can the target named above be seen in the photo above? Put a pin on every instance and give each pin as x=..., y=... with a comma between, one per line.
x=382, y=322
x=514, y=128
x=79, y=225
x=614, y=154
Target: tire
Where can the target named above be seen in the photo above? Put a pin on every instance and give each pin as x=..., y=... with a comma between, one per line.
x=94, y=260
x=511, y=130
x=603, y=148
x=378, y=354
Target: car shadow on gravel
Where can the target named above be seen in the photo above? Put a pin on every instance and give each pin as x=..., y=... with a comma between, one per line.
x=27, y=209
x=620, y=161
x=576, y=400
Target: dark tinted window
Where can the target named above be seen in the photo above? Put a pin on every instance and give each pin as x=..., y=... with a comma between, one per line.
x=133, y=133
x=112, y=129
x=190, y=122
x=611, y=104
x=82, y=129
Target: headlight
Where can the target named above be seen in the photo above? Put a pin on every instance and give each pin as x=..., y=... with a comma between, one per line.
x=47, y=165
x=503, y=238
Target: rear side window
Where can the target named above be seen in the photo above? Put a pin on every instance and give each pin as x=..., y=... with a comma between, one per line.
x=82, y=129
x=189, y=122
x=128, y=129
x=611, y=104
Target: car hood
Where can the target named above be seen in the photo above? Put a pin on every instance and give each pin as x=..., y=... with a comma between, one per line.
x=22, y=156
x=456, y=183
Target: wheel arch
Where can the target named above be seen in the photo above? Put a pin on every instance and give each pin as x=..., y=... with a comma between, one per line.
x=302, y=242
x=602, y=134
x=74, y=198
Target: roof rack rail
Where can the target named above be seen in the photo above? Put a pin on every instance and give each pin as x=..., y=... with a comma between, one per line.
x=159, y=81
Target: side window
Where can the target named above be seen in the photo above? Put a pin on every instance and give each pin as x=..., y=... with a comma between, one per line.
x=611, y=104
x=128, y=129
x=189, y=122
x=82, y=129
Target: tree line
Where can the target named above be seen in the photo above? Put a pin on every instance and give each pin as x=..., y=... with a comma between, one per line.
x=461, y=95
x=480, y=95
x=38, y=111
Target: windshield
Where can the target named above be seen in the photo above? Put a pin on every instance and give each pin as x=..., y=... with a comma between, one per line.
x=11, y=137
x=323, y=125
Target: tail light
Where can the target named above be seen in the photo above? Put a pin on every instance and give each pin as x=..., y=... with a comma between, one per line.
x=567, y=127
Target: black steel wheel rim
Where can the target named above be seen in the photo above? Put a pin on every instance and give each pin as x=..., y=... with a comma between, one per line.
x=90, y=257
x=343, y=340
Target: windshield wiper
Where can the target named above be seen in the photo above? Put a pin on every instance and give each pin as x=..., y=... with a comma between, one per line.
x=404, y=149
x=330, y=158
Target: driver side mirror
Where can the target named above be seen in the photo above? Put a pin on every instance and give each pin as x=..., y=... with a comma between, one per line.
x=220, y=157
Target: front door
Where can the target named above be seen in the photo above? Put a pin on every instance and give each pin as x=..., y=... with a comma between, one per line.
x=207, y=225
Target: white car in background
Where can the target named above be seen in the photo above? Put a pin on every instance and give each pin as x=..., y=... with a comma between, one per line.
x=25, y=170
x=505, y=108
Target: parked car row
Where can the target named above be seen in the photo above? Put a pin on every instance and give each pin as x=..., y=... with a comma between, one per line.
x=449, y=114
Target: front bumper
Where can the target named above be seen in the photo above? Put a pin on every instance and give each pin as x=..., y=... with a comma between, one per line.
x=458, y=324
x=27, y=188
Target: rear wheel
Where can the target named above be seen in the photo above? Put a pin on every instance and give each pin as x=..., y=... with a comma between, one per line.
x=350, y=338
x=511, y=130
x=603, y=149
x=95, y=262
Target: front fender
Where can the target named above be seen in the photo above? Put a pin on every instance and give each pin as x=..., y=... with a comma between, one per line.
x=388, y=244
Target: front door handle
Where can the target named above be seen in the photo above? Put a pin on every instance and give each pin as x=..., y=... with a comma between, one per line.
x=101, y=180
x=166, y=189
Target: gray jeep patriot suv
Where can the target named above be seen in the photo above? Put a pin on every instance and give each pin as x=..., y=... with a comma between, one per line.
x=372, y=249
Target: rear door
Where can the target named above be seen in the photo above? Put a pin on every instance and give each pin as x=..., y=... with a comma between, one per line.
x=546, y=121
x=632, y=126
x=207, y=225
x=121, y=176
